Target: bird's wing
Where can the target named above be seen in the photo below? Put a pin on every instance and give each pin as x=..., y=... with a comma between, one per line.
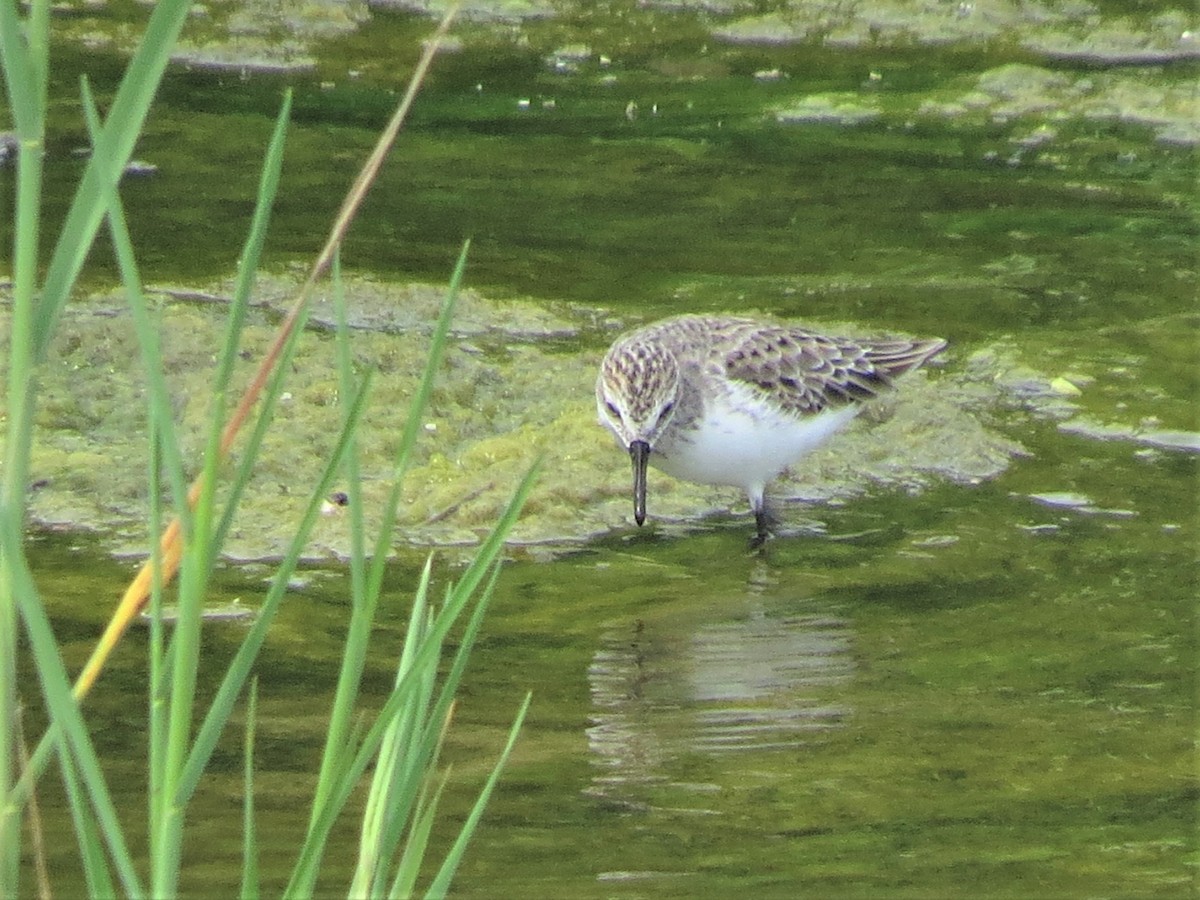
x=805, y=372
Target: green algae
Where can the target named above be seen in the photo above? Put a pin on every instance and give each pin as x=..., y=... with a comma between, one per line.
x=517, y=385
x=220, y=34
x=1077, y=31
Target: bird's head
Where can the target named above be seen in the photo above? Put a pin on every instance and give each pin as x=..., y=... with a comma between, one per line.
x=637, y=391
x=636, y=398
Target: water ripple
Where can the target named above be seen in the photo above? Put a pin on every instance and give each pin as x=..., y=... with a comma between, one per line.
x=758, y=683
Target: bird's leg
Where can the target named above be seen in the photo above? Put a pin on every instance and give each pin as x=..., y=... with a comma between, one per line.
x=763, y=520
x=762, y=532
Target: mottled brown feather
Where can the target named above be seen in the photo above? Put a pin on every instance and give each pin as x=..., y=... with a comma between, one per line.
x=800, y=370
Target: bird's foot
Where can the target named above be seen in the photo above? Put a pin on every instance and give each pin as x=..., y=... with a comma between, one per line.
x=764, y=524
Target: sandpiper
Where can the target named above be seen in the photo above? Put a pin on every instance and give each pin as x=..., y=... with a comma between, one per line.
x=735, y=401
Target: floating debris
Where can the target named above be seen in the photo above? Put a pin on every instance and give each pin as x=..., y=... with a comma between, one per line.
x=1162, y=439
x=233, y=611
x=1062, y=500
x=828, y=109
x=1078, y=503
x=1040, y=529
x=140, y=168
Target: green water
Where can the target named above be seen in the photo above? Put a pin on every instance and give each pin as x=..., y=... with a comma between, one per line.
x=945, y=691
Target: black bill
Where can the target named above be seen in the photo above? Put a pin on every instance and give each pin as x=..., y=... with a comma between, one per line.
x=639, y=452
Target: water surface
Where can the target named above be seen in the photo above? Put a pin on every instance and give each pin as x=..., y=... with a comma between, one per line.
x=931, y=686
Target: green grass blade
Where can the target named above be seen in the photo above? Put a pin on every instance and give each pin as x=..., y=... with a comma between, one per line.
x=91, y=849
x=64, y=710
x=493, y=544
x=239, y=667
x=250, y=884
x=425, y=808
x=163, y=834
x=144, y=327
x=441, y=882
x=437, y=349
x=202, y=545
x=346, y=388
x=409, y=867
x=426, y=748
x=24, y=54
x=350, y=677
x=351, y=672
x=363, y=601
x=33, y=318
x=412, y=425
x=251, y=256
x=267, y=406
x=156, y=730
x=182, y=671
x=121, y=130
x=268, y=189
x=387, y=800
x=304, y=873
x=466, y=644
x=406, y=753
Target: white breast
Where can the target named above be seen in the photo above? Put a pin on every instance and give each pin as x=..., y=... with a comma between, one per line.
x=744, y=442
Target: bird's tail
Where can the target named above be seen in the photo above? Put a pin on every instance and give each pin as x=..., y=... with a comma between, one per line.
x=893, y=358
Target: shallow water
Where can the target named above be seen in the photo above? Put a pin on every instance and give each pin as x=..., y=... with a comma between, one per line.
x=931, y=686
x=965, y=691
